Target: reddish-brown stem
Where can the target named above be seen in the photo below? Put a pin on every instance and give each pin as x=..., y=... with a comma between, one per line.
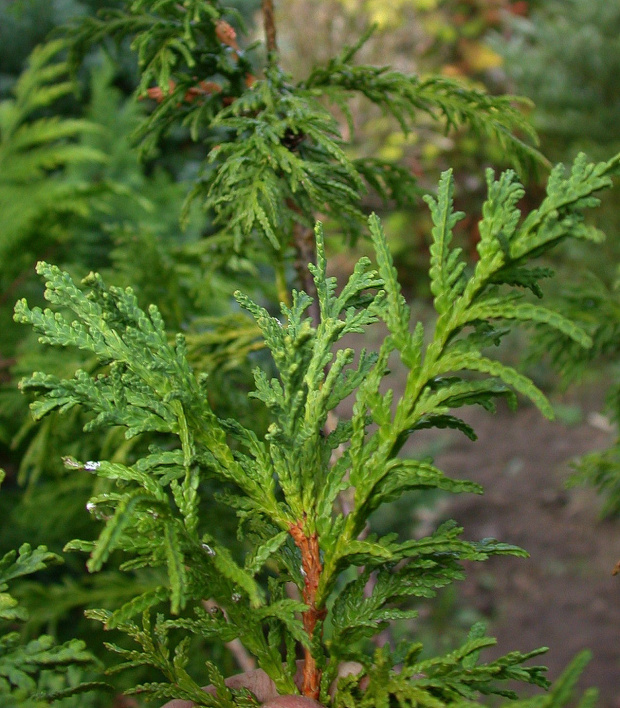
x=269, y=23
x=311, y=568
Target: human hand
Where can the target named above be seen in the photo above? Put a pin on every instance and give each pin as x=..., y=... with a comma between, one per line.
x=265, y=690
x=262, y=687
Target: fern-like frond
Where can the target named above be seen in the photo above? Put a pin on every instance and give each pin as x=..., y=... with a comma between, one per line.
x=35, y=194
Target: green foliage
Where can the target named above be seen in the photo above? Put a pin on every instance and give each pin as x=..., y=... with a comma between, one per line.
x=36, y=199
x=169, y=37
x=285, y=147
x=35, y=673
x=285, y=484
x=576, y=101
x=577, y=107
x=24, y=24
x=457, y=678
x=404, y=97
x=131, y=232
x=602, y=470
x=178, y=460
x=271, y=142
x=156, y=652
x=596, y=307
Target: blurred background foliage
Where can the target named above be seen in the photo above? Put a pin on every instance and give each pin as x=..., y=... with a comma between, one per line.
x=93, y=204
x=565, y=56
x=422, y=37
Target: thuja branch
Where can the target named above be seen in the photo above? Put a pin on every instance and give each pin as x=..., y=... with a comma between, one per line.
x=308, y=545
x=288, y=481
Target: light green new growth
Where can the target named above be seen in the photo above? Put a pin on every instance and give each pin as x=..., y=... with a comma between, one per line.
x=286, y=486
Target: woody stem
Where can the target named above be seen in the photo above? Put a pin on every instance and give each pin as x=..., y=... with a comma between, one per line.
x=311, y=566
x=305, y=251
x=304, y=242
x=270, y=26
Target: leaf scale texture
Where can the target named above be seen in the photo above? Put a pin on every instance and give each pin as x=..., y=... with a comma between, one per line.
x=304, y=490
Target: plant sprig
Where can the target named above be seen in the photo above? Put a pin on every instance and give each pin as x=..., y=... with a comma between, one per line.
x=285, y=485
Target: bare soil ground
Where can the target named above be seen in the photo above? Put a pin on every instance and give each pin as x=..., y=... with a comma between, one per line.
x=564, y=596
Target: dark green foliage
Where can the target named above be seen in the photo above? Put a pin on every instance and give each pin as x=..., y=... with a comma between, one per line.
x=267, y=173
x=37, y=672
x=272, y=144
x=170, y=38
x=24, y=24
x=133, y=224
x=287, y=482
x=36, y=198
x=129, y=232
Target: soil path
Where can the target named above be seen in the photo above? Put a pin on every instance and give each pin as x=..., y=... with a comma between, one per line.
x=564, y=595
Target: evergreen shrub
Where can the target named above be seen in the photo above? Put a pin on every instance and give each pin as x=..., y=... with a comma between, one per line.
x=308, y=581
